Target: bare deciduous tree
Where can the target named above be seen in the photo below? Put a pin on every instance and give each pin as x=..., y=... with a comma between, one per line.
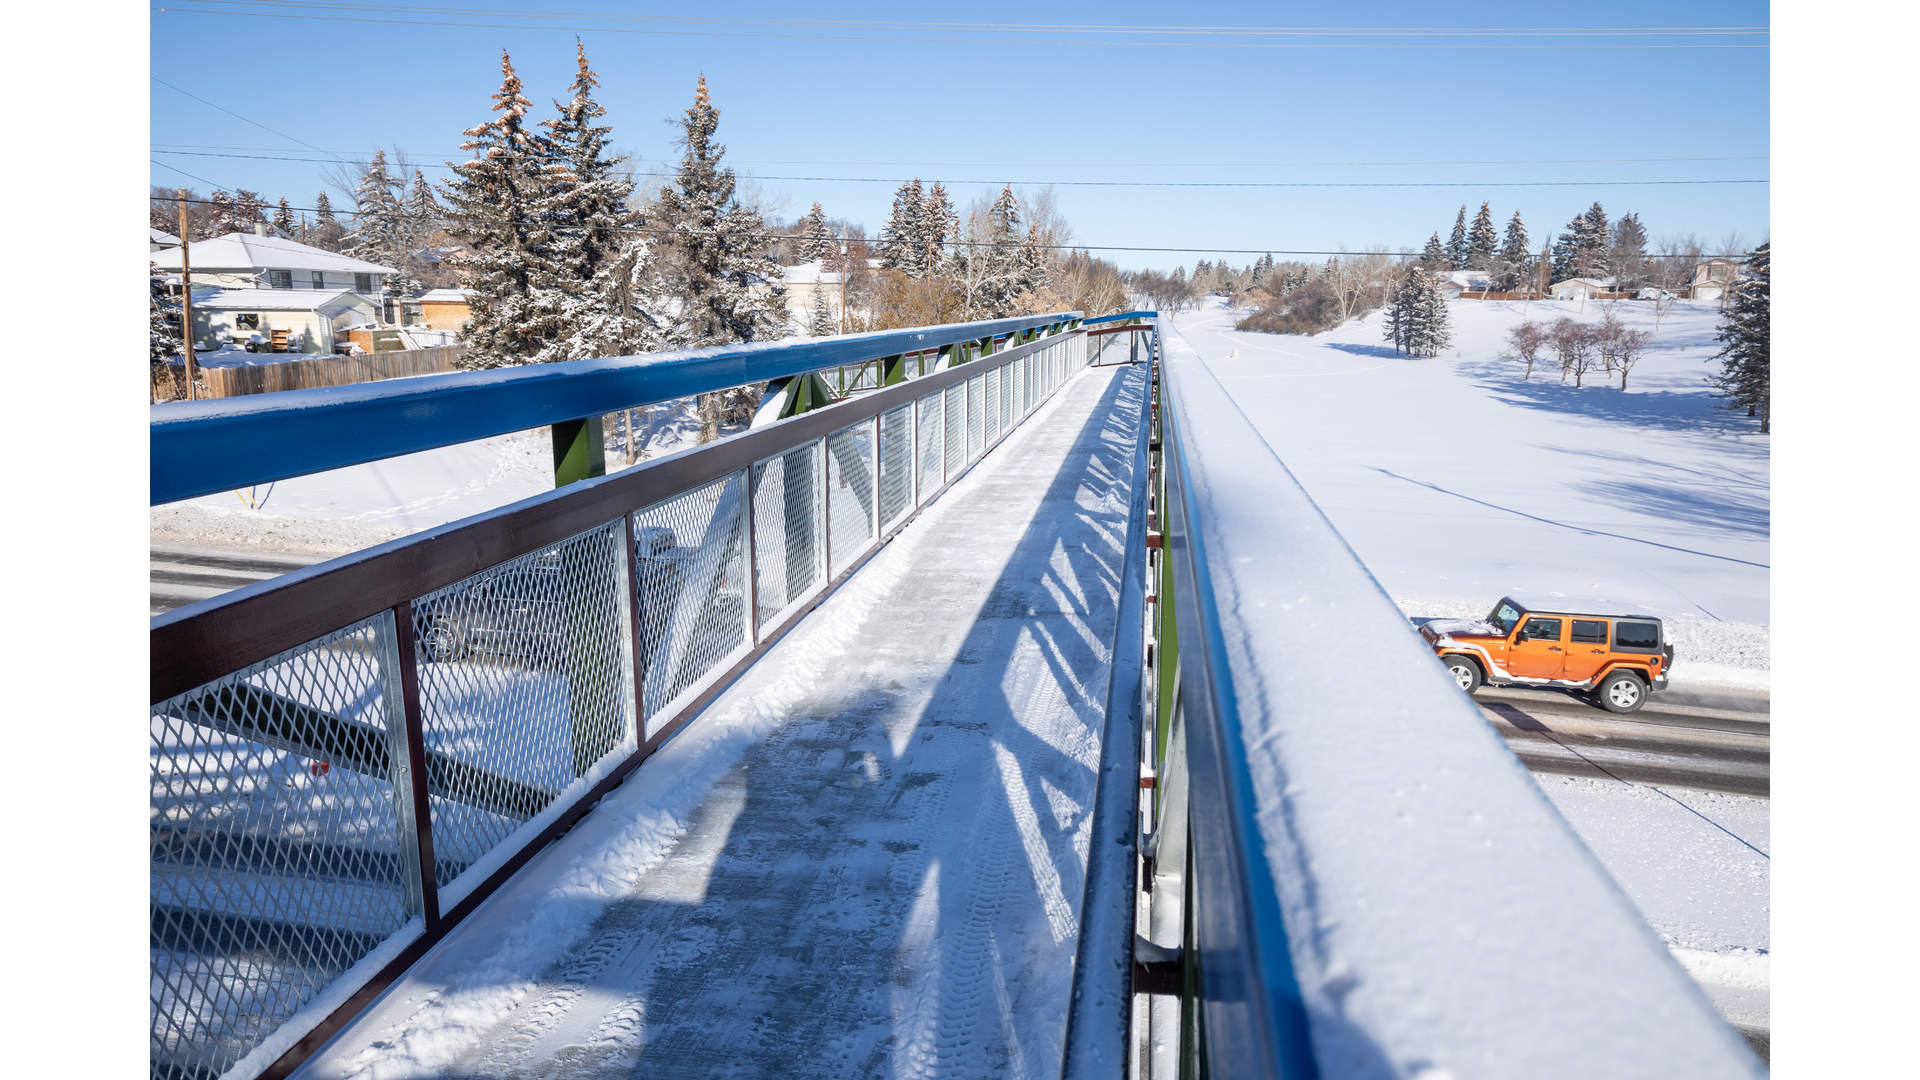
x=1523, y=345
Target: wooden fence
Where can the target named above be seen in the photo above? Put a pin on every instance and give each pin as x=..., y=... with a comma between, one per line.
x=326, y=371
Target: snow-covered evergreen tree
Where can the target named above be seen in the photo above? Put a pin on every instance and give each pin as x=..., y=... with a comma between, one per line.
x=327, y=231
x=604, y=275
x=163, y=317
x=821, y=323
x=283, y=222
x=1434, y=255
x=1033, y=262
x=902, y=244
x=382, y=228
x=1435, y=327
x=1592, y=239
x=1004, y=263
x=1516, y=254
x=729, y=289
x=234, y=212
x=1746, y=375
x=1398, y=316
x=1457, y=243
x=940, y=225
x=498, y=212
x=1627, y=251
x=815, y=238
x=1417, y=321
x=1482, y=240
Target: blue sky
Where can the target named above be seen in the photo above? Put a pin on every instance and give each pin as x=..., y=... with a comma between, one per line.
x=967, y=102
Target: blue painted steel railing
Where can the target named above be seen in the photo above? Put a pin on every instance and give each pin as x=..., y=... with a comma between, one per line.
x=203, y=447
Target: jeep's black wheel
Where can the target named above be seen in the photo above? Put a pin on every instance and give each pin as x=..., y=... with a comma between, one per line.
x=444, y=639
x=1621, y=692
x=1465, y=672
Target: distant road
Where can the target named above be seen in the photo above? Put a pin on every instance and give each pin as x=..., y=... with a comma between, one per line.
x=1709, y=747
x=181, y=575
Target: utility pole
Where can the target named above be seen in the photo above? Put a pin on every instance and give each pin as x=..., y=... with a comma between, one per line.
x=186, y=296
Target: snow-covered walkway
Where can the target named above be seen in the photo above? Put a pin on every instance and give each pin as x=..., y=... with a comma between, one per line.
x=867, y=857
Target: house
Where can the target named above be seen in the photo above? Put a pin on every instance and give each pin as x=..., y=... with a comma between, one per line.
x=1712, y=279
x=1581, y=289
x=445, y=309
x=258, y=260
x=159, y=241
x=285, y=320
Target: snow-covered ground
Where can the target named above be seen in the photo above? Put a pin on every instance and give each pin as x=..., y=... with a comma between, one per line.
x=343, y=510
x=1457, y=481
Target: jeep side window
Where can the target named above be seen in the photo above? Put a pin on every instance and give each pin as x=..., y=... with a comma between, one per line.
x=1538, y=629
x=1637, y=636
x=1590, y=631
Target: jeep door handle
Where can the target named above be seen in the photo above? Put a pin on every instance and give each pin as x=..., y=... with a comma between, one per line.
x=1553, y=648
x=1599, y=652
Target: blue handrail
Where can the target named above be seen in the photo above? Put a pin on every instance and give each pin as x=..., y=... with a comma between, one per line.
x=203, y=447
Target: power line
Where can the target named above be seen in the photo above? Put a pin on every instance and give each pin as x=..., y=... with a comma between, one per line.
x=1096, y=164
x=235, y=115
x=868, y=37
x=773, y=236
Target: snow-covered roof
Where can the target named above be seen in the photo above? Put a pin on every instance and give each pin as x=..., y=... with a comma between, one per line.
x=275, y=299
x=155, y=236
x=236, y=251
x=1597, y=283
x=808, y=273
x=446, y=296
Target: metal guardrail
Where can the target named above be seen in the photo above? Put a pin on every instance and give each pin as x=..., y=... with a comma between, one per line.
x=348, y=759
x=1374, y=885
x=203, y=447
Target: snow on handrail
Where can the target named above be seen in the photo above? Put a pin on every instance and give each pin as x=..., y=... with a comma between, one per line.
x=202, y=447
x=1381, y=887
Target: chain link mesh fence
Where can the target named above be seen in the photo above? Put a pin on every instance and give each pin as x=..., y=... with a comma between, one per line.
x=525, y=685
x=850, y=494
x=692, y=553
x=282, y=848
x=930, y=431
x=788, y=559
x=896, y=465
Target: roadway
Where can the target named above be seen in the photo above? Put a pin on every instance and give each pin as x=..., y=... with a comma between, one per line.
x=179, y=575
x=1711, y=742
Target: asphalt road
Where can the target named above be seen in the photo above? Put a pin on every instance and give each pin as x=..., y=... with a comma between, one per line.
x=1712, y=742
x=178, y=575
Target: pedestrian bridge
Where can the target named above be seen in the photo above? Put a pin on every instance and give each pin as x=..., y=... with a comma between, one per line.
x=1012, y=713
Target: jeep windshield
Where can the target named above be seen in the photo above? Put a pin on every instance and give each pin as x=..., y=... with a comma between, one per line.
x=1504, y=616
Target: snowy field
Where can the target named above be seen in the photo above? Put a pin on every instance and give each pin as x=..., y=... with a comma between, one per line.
x=1457, y=481
x=343, y=510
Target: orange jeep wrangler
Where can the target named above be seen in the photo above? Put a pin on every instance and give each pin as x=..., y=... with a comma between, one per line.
x=1617, y=658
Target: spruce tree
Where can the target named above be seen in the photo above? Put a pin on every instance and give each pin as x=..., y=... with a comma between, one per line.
x=1592, y=238
x=1434, y=255
x=1516, y=252
x=1627, y=251
x=815, y=239
x=938, y=224
x=1566, y=249
x=1003, y=260
x=283, y=222
x=604, y=273
x=498, y=203
x=729, y=289
x=326, y=232
x=382, y=233
x=902, y=242
x=821, y=324
x=1435, y=326
x=1457, y=243
x=1482, y=240
x=163, y=317
x=1745, y=376
x=1400, y=308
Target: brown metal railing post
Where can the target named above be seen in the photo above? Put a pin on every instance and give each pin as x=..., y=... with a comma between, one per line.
x=637, y=596
x=417, y=762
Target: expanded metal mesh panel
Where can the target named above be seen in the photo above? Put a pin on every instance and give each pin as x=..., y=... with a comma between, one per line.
x=931, y=433
x=281, y=852
x=1006, y=397
x=692, y=592
x=850, y=494
x=788, y=560
x=896, y=464
x=976, y=391
x=525, y=683
x=990, y=416
x=1026, y=384
x=954, y=456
